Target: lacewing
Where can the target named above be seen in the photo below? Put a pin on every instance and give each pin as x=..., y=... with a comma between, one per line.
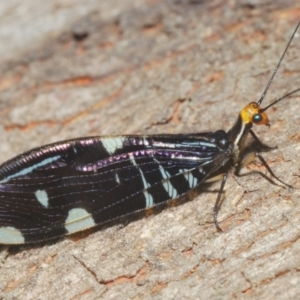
x=69, y=186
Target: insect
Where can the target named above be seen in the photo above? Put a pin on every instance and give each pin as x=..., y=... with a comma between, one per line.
x=69, y=186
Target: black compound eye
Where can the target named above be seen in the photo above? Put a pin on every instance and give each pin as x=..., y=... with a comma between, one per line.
x=257, y=118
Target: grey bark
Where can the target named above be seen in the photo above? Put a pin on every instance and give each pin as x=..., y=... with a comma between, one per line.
x=71, y=69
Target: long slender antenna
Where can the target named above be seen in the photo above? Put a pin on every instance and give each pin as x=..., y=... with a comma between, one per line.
x=281, y=98
x=277, y=67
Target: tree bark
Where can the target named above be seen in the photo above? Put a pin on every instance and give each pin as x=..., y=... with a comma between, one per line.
x=71, y=69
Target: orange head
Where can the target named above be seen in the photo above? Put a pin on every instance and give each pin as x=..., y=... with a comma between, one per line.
x=252, y=113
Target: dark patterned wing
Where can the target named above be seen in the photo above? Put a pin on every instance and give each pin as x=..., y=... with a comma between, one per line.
x=70, y=186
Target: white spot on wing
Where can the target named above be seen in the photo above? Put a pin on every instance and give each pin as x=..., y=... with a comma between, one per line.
x=117, y=178
x=148, y=197
x=170, y=189
x=183, y=145
x=31, y=168
x=112, y=144
x=167, y=184
x=190, y=178
x=78, y=219
x=131, y=157
x=42, y=197
x=145, y=142
x=10, y=235
x=207, y=144
x=164, y=145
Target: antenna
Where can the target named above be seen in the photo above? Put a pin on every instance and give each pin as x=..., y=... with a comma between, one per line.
x=276, y=69
x=281, y=98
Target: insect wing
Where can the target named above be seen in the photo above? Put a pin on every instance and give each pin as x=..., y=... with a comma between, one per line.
x=70, y=186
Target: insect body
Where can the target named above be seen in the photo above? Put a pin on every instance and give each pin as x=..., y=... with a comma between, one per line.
x=73, y=185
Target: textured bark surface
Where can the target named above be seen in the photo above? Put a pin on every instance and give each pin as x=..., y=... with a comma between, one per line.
x=74, y=68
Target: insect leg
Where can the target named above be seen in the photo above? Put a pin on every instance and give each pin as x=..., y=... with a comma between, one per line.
x=250, y=157
x=219, y=202
x=262, y=160
x=267, y=147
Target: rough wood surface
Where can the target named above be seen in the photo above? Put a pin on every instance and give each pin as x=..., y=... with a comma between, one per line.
x=78, y=68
